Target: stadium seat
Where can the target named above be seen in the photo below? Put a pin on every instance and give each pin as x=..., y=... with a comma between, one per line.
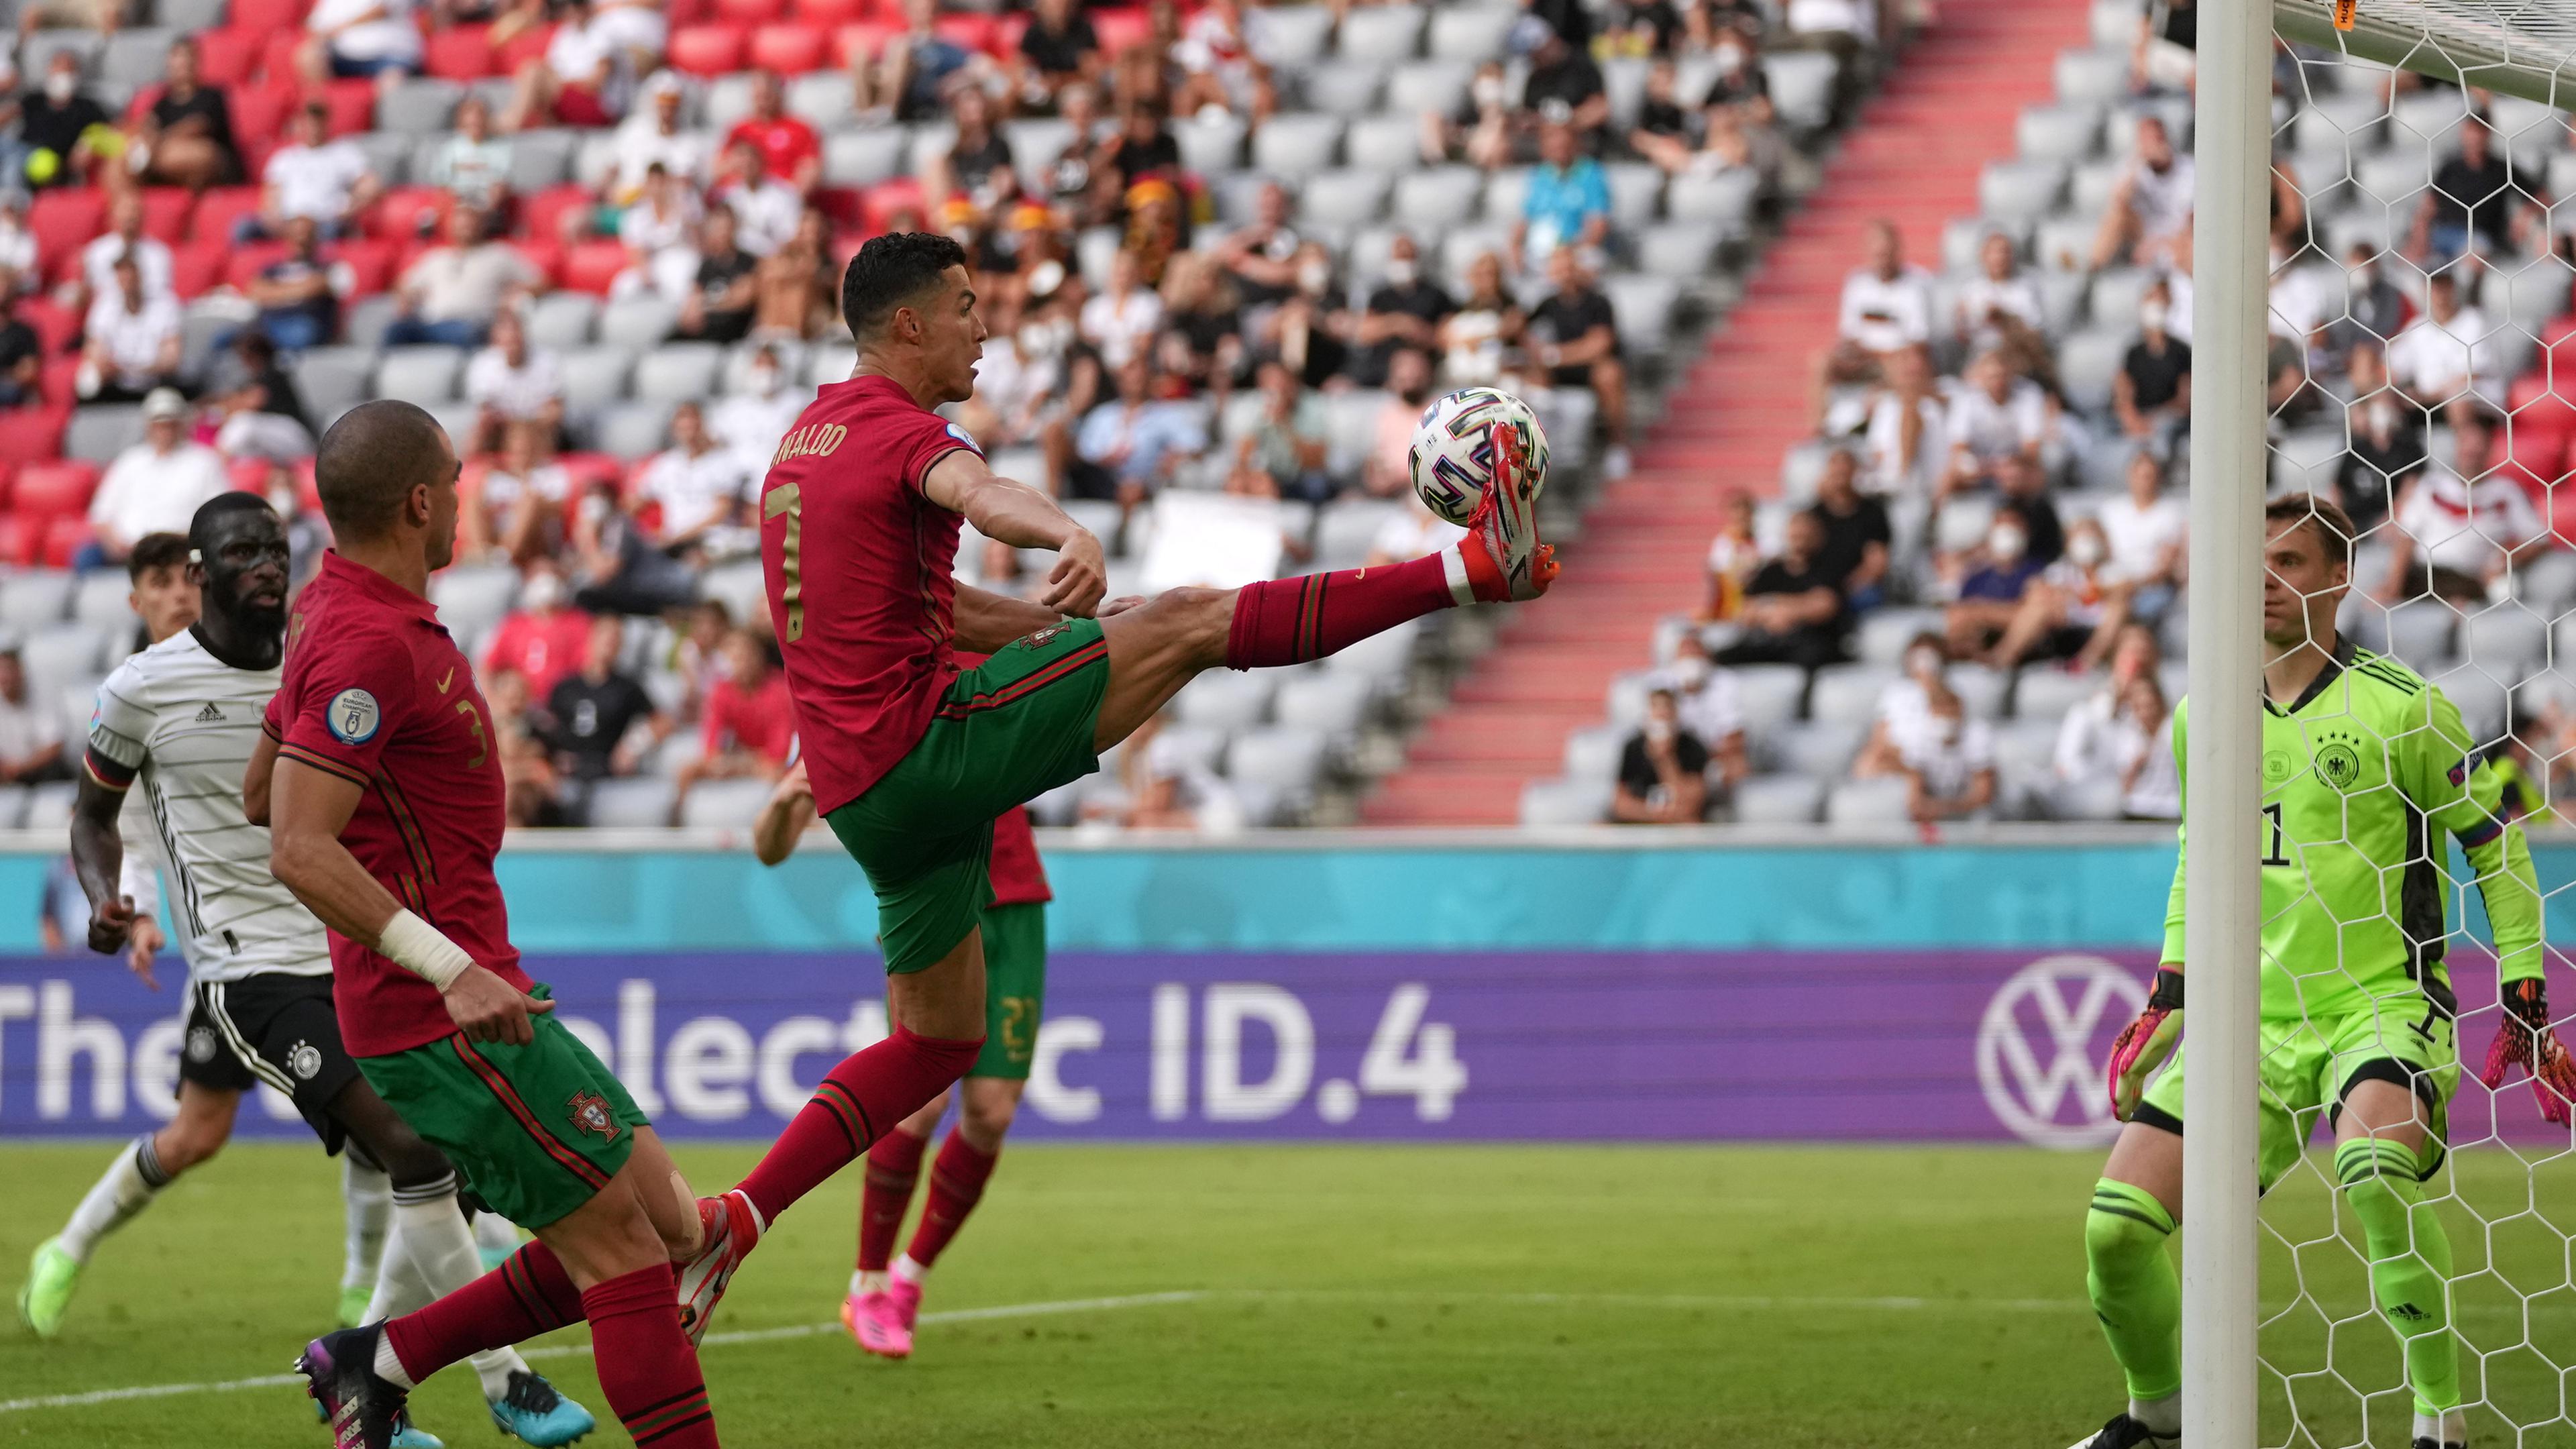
x=706, y=50
x=63, y=219
x=1390, y=144
x=1210, y=145
x=827, y=14
x=428, y=376
x=1435, y=200
x=227, y=56
x=38, y=50
x=1343, y=198
x=461, y=53
x=540, y=159
x=1802, y=87
x=1380, y=32
x=1868, y=805
x=31, y=434
x=64, y=539
x=1779, y=800
x=406, y=212
x=98, y=603
x=1593, y=754
x=1345, y=88
x=1726, y=198
x=634, y=429
x=35, y=598
x=591, y=266
x=1471, y=32
x=787, y=49
x=332, y=378
x=1560, y=803
x=1333, y=702
x=1769, y=694
x=641, y=802
x=860, y=158
x=218, y=210
x=1226, y=700
x=98, y=434
x=1427, y=85
x=13, y=805
x=678, y=371
x=729, y=804
x=637, y=322
x=824, y=99
x=1282, y=762
x=1298, y=145
x=53, y=487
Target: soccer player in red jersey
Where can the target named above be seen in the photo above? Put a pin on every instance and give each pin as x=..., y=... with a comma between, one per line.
x=912, y=758
x=384, y=799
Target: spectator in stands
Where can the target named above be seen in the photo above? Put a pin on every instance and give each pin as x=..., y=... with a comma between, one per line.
x=530, y=789
x=2151, y=395
x=2084, y=737
x=1167, y=784
x=59, y=126
x=654, y=137
x=749, y=720
x=1924, y=736
x=2148, y=534
x=298, y=295
x=1564, y=88
x=701, y=490
x=540, y=640
x=1663, y=130
x=636, y=27
x=752, y=422
x=1566, y=203
x=517, y=514
x=2001, y=309
x=125, y=237
x=510, y=382
x=1074, y=175
x=22, y=352
x=789, y=149
x=660, y=233
x=2150, y=778
x=765, y=208
x=1792, y=611
x=472, y=163
x=915, y=70
x=1202, y=342
x=154, y=486
x=1855, y=533
x=184, y=137
x=311, y=176
x=1886, y=307
x=1262, y=256
x=262, y=413
x=1995, y=419
x=1996, y=585
x=17, y=243
x=1017, y=385
x=31, y=729
x=1902, y=439
x=613, y=564
x=1283, y=454
x=1708, y=703
x=1144, y=150
x=2073, y=610
x=1388, y=469
x=1132, y=444
x=1222, y=66
x=1412, y=533
x=1122, y=319
x=132, y=342
x=2473, y=203
x=1305, y=330
x=2148, y=220
x=1479, y=131
x=1847, y=29
x=2374, y=310
x=2446, y=358
x=2024, y=495
x=2460, y=528
x=1473, y=341
x=2385, y=441
x=1734, y=556
x=585, y=78
x=1575, y=336
x=355, y=39
x=452, y=292
x=1663, y=770
x=720, y=305
x=592, y=715
x=978, y=165
x=796, y=290
x=1058, y=49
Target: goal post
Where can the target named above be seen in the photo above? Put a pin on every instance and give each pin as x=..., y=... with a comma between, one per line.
x=2525, y=49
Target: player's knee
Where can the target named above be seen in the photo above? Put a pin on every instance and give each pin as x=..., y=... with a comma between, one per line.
x=987, y=1118
x=2116, y=1235
x=186, y=1142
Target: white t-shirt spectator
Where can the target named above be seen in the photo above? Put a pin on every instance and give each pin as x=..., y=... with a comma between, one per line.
x=17, y=248
x=465, y=284
x=478, y=172
x=632, y=26
x=2087, y=745
x=151, y=259
x=751, y=425
x=575, y=55
x=2017, y=297
x=1946, y=751
x=28, y=726
x=1475, y=352
x=2436, y=361
x=2299, y=304
x=2087, y=595
x=514, y=392
x=1819, y=17
x=2463, y=526
x=390, y=36
x=1882, y=315
x=2161, y=202
x=134, y=339
x=503, y=489
x=1883, y=465
x=646, y=230
x=148, y=492
x=765, y=216
x=1010, y=384
x=1713, y=711
x=1120, y=327
x=2157, y=795
x=640, y=143
x=693, y=491
x=2139, y=537
x=315, y=181
x=1997, y=430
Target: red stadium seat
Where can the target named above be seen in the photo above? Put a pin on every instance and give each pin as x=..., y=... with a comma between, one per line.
x=411, y=211
x=54, y=487
x=277, y=57
x=826, y=14
x=1006, y=39
x=592, y=265
x=195, y=268
x=19, y=543
x=588, y=470
x=165, y=212
x=461, y=54
x=862, y=41
x=225, y=57
x=525, y=46
x=243, y=264
x=352, y=104
x=64, y=219
x=371, y=264
x=968, y=28
x=267, y=17
x=706, y=49
x=842, y=205
x=886, y=200
x=61, y=380
x=546, y=255
x=249, y=475
x=787, y=49
x=63, y=540
x=541, y=216
x=750, y=12
x=1121, y=27
x=56, y=325
x=8, y=480
x=217, y=210
x=259, y=113
x=308, y=489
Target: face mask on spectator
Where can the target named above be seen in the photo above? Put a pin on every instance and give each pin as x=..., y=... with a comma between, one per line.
x=1923, y=663
x=1658, y=730
x=1691, y=670
x=544, y=591
x=1489, y=90
x=2151, y=316
x=283, y=500
x=2085, y=550
x=1727, y=58
x=2006, y=544
x=1400, y=272
x=61, y=86
x=1314, y=277
x=764, y=380
x=1946, y=728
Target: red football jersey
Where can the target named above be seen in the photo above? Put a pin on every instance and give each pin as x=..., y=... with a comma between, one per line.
x=860, y=570
x=784, y=144
x=376, y=693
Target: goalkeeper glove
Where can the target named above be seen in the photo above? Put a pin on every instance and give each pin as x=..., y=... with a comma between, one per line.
x=2145, y=1043
x=2527, y=1041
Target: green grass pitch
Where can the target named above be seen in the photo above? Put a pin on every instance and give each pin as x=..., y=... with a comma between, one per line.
x=1398, y=1296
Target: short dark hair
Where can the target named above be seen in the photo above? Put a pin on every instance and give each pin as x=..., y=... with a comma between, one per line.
x=370, y=460
x=158, y=551
x=2332, y=525
x=210, y=516
x=891, y=270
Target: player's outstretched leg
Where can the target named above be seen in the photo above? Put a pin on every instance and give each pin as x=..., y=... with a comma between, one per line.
x=2381, y=1174
x=870, y=1312
x=136, y=1175
x=2135, y=1291
x=368, y=1196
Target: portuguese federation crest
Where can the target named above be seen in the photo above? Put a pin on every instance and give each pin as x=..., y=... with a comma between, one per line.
x=590, y=1114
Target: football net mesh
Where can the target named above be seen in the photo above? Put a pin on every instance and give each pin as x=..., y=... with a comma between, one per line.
x=2423, y=366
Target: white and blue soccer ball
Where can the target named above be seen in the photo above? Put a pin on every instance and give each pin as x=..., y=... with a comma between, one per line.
x=1453, y=448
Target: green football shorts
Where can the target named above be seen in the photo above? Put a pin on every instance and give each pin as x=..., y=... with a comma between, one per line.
x=2308, y=1067
x=535, y=1131
x=1011, y=729
x=1014, y=989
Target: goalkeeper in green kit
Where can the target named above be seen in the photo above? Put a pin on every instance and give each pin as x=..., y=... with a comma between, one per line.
x=2365, y=768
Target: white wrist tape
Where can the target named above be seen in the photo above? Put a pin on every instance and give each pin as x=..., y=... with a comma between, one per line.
x=422, y=949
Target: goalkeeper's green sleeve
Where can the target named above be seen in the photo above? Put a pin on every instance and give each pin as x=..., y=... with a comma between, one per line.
x=2457, y=791
x=2182, y=852
x=2511, y=891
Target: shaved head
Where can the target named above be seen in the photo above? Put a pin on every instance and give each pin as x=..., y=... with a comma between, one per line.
x=370, y=461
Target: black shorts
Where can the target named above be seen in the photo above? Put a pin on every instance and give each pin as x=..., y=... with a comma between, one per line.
x=274, y=1028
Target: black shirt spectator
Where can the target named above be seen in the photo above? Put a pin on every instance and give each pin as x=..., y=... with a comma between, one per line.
x=1136, y=158
x=202, y=104
x=2477, y=194
x=1637, y=773
x=972, y=167
x=1420, y=298
x=1848, y=535
x=1569, y=19
x=1054, y=53
x=1655, y=19
x=1571, y=78
x=232, y=372
x=1794, y=611
x=1663, y=117
x=717, y=272
x=323, y=308
x=2025, y=496
x=590, y=717
x=46, y=124
x=2156, y=377
x=22, y=361
x=1568, y=316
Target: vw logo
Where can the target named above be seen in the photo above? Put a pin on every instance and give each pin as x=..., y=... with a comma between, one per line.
x=2041, y=1046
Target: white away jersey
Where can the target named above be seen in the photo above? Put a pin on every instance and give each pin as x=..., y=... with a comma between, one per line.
x=183, y=724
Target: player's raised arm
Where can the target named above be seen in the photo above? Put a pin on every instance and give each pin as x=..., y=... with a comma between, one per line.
x=1022, y=517
x=783, y=817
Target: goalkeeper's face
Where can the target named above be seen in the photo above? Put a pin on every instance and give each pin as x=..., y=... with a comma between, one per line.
x=2303, y=585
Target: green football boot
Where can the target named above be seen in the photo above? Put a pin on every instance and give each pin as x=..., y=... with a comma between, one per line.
x=47, y=1293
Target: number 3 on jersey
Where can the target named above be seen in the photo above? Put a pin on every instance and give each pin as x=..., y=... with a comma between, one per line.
x=787, y=499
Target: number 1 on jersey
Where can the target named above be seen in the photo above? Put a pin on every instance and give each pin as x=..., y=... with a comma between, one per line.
x=787, y=499
x=2275, y=851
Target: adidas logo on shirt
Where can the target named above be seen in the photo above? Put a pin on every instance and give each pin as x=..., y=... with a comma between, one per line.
x=209, y=714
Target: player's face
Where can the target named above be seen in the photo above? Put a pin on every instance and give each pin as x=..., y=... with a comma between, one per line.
x=166, y=598
x=2301, y=588
x=243, y=571
x=443, y=506
x=952, y=335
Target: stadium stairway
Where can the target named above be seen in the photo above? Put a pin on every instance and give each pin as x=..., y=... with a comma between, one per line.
x=1913, y=156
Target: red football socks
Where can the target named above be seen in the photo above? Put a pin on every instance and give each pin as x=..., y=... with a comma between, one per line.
x=527, y=1295
x=646, y=1367
x=1289, y=621
x=894, y=1168
x=861, y=1099
x=956, y=1185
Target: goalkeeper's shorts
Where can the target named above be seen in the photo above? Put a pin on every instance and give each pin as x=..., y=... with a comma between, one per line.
x=2308, y=1066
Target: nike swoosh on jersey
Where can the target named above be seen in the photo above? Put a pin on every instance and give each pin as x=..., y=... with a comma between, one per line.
x=448, y=679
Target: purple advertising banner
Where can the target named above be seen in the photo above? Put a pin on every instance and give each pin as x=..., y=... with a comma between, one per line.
x=1883, y=1045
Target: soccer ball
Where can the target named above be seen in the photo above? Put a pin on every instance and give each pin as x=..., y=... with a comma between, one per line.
x=1453, y=448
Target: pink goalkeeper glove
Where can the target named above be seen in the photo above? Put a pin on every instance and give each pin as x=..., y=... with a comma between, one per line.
x=2526, y=1040
x=2145, y=1043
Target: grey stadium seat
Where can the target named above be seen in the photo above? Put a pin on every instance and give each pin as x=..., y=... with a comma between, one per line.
x=32, y=598
x=1210, y=145
x=1428, y=85
x=562, y=320
x=418, y=106
x=13, y=805
x=2086, y=363
x=1822, y=748
x=331, y=378
x=367, y=318
x=99, y=601
x=725, y=100
x=2419, y=632
x=542, y=158
x=99, y=433
x=1296, y=145
x=388, y=155
x=1636, y=188
x=1802, y=86
x=1769, y=694
x=63, y=653
x=2085, y=74
x=1644, y=307
x=634, y=429
x=1226, y=700
x=189, y=16
x=1779, y=800
x=49, y=806
x=729, y=803
x=1035, y=143
x=136, y=58
x=929, y=142
x=637, y=322
x=2047, y=694
x=641, y=802
x=1344, y=198
x=2022, y=191
x=1547, y=803
x=1289, y=35
x=861, y=158
x=41, y=47
x=678, y=371
x=1389, y=144
x=1347, y=87
x=2064, y=132
x=423, y=375
x=1867, y=805
x=1380, y=32
x=473, y=597
x=1981, y=689
x=1346, y=529
x=1845, y=692
x=595, y=377
x=823, y=100
x=1471, y=32
x=1884, y=633
x=1506, y=194
x=1726, y=198
x=1593, y=754
x=1335, y=702
x=1434, y=200
x=1282, y=761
